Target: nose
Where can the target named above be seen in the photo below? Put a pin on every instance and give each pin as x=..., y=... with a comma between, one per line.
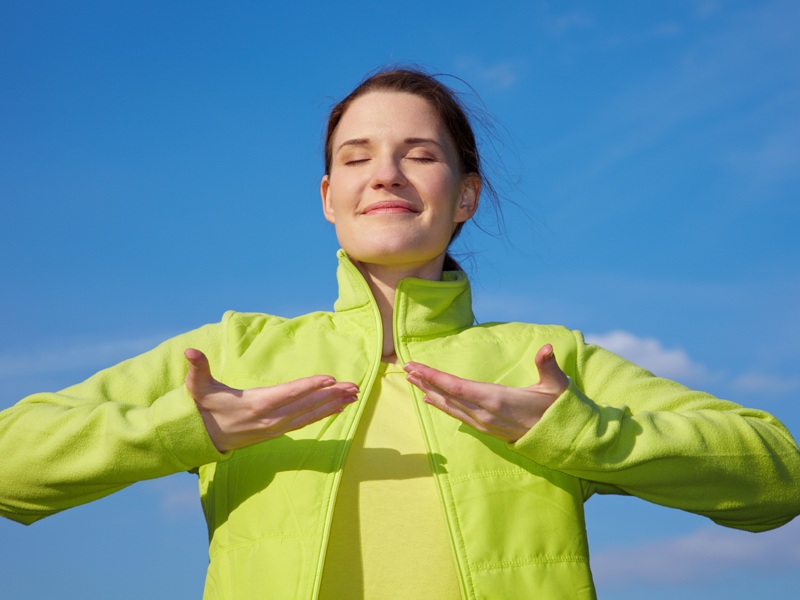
x=388, y=174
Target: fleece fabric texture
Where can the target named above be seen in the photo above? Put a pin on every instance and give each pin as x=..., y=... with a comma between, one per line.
x=513, y=512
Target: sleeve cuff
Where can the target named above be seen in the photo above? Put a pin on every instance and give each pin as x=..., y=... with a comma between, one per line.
x=555, y=437
x=182, y=431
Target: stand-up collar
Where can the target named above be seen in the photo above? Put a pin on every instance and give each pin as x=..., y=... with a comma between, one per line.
x=422, y=308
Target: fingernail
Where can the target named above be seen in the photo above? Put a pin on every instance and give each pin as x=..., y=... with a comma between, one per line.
x=352, y=389
x=328, y=382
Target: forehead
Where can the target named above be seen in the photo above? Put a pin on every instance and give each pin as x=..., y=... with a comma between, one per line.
x=382, y=113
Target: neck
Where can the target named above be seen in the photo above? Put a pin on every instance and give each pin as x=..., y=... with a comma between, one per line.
x=383, y=280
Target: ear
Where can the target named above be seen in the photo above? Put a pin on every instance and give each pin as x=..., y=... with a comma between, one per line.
x=468, y=202
x=325, y=192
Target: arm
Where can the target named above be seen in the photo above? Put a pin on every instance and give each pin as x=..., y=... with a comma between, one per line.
x=130, y=422
x=623, y=430
x=620, y=426
x=144, y=418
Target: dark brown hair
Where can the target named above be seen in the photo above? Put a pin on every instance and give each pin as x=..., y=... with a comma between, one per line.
x=444, y=101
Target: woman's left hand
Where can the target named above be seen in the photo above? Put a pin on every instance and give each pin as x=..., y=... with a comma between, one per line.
x=504, y=412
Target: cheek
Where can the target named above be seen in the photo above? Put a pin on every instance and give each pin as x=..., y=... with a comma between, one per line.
x=447, y=193
x=333, y=201
x=343, y=191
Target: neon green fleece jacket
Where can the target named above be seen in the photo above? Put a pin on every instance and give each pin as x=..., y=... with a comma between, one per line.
x=514, y=512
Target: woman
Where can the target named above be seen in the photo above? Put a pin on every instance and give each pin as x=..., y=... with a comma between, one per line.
x=468, y=483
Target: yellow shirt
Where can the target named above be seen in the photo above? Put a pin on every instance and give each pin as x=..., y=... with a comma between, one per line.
x=388, y=537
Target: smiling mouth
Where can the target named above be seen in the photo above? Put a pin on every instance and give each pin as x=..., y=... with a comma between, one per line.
x=390, y=207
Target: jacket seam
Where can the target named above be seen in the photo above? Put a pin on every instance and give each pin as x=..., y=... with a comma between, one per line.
x=220, y=549
x=489, y=339
x=488, y=475
x=534, y=561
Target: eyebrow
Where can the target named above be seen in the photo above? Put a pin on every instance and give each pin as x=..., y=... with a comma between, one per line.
x=415, y=140
x=353, y=142
x=408, y=141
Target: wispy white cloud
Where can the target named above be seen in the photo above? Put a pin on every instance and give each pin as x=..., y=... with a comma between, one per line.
x=703, y=9
x=776, y=156
x=178, y=496
x=81, y=354
x=702, y=556
x=496, y=76
x=675, y=363
x=766, y=384
x=708, y=91
x=567, y=22
x=650, y=353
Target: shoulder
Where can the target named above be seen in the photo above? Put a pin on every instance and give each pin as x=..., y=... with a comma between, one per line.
x=242, y=328
x=499, y=352
x=522, y=333
x=256, y=322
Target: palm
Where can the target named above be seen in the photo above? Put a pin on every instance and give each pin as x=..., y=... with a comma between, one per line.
x=237, y=418
x=501, y=411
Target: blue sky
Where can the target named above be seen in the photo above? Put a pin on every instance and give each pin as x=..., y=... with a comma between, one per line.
x=160, y=163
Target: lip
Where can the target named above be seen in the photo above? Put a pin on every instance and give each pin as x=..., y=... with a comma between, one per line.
x=386, y=207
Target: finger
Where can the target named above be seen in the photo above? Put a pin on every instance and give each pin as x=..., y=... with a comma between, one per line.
x=195, y=357
x=330, y=407
x=451, y=408
x=308, y=390
x=496, y=428
x=199, y=373
x=551, y=377
x=311, y=407
x=440, y=396
x=316, y=398
x=456, y=387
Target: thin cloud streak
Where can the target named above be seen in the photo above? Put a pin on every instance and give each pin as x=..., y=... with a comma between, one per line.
x=775, y=158
x=73, y=355
x=706, y=92
x=499, y=76
x=178, y=496
x=761, y=383
x=705, y=555
x=568, y=22
x=675, y=363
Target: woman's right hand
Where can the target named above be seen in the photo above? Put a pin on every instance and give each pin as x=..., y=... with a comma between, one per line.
x=238, y=418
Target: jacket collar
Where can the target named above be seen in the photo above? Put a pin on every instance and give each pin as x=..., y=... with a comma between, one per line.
x=422, y=308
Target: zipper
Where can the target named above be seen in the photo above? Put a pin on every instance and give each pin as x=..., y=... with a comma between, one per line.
x=350, y=434
x=403, y=358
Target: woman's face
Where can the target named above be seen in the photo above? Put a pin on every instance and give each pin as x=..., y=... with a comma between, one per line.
x=395, y=190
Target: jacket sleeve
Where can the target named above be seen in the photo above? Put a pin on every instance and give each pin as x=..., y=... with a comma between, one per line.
x=623, y=430
x=130, y=422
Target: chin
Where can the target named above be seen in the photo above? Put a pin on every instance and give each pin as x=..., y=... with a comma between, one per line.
x=394, y=255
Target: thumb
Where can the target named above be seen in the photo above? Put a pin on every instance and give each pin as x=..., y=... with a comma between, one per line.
x=551, y=378
x=199, y=374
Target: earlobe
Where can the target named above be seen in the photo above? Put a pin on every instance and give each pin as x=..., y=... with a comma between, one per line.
x=324, y=192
